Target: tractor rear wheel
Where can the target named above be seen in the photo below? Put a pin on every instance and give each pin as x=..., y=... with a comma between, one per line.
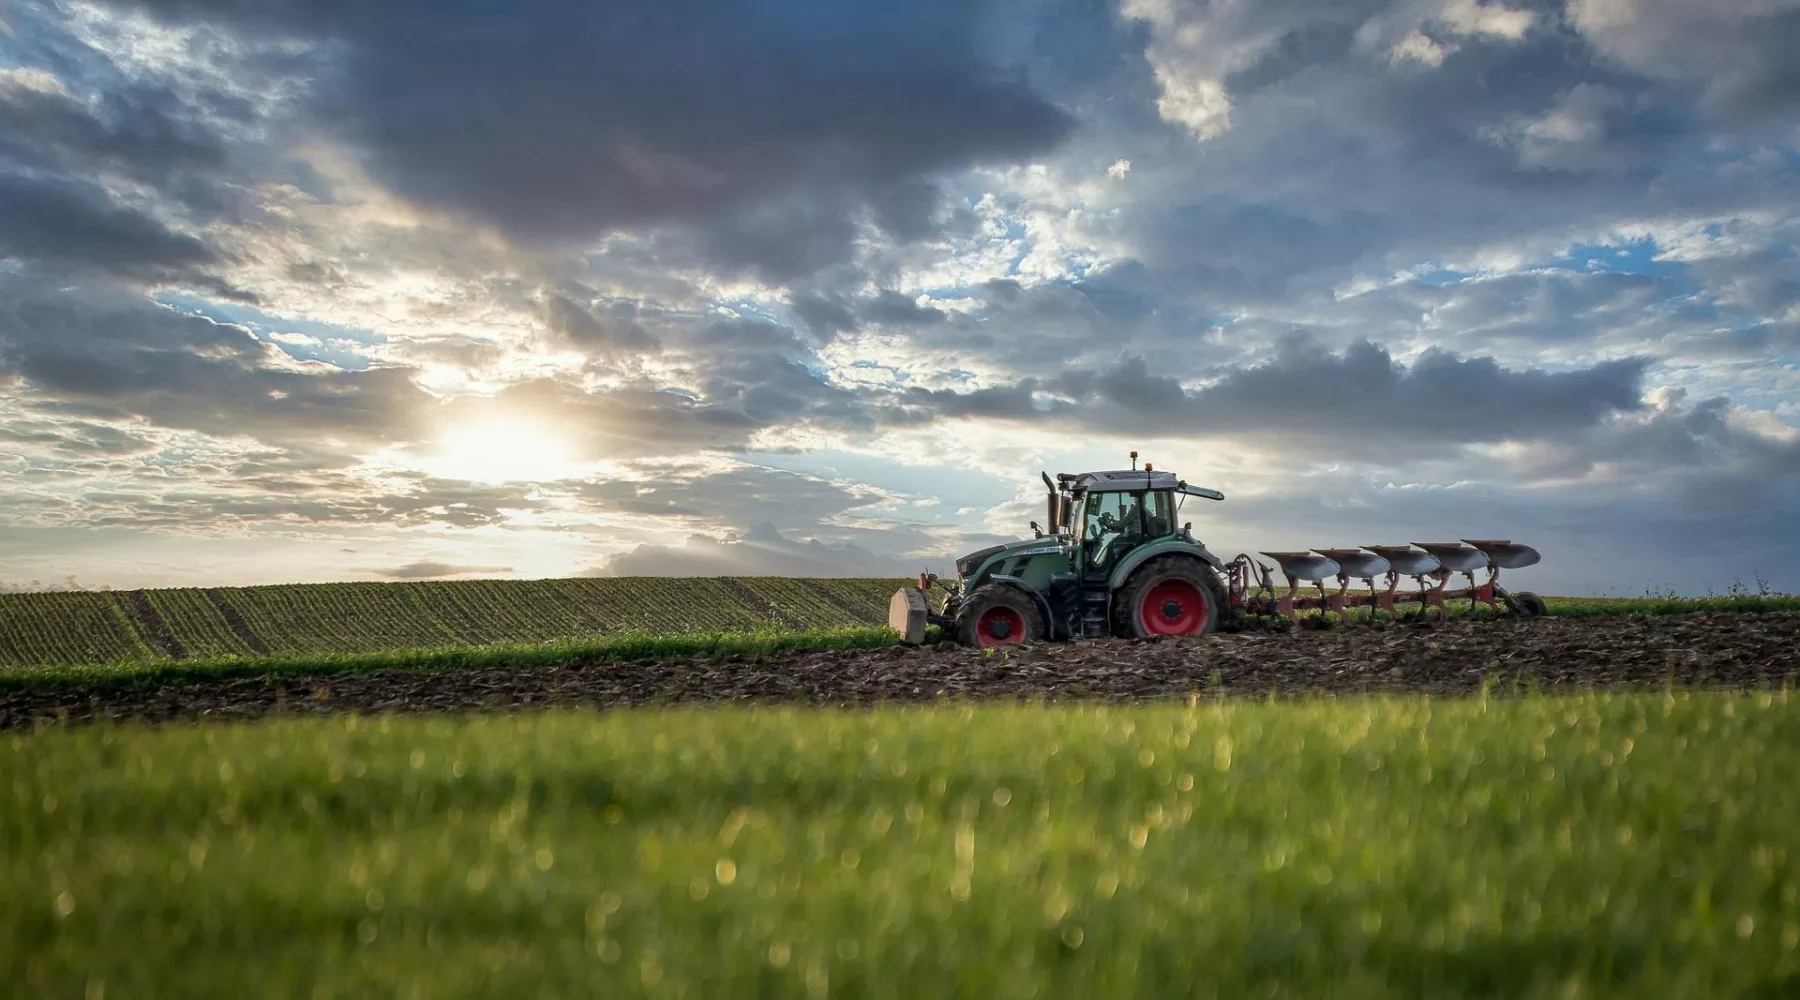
x=999, y=615
x=1170, y=595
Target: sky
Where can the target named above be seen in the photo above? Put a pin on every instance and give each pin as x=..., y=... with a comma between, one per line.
x=316, y=290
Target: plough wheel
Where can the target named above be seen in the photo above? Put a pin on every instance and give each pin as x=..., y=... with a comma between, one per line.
x=1529, y=605
x=1170, y=595
x=998, y=615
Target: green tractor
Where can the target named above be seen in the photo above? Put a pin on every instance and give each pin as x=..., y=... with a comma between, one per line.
x=1114, y=561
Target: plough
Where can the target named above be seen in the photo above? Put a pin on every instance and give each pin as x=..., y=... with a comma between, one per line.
x=1251, y=587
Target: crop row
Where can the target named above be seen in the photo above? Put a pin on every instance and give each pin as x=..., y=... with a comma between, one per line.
x=315, y=619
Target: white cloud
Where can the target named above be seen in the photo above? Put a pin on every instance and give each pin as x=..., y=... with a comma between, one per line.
x=1420, y=48
x=1472, y=17
x=29, y=78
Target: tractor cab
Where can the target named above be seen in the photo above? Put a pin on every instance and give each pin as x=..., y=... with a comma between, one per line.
x=1107, y=515
x=1115, y=560
x=1118, y=514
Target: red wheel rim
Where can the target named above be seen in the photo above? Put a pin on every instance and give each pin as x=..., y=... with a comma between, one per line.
x=1173, y=607
x=1000, y=626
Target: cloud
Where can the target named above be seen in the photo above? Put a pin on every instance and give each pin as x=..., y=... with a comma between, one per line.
x=1705, y=456
x=1206, y=55
x=891, y=308
x=144, y=132
x=61, y=224
x=1740, y=54
x=615, y=333
x=435, y=570
x=759, y=551
x=1370, y=262
x=1308, y=398
x=1315, y=162
x=753, y=123
x=102, y=347
x=108, y=178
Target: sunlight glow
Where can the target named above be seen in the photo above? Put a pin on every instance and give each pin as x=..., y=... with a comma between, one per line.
x=500, y=450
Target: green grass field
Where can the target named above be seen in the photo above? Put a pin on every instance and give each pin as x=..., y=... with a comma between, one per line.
x=1628, y=846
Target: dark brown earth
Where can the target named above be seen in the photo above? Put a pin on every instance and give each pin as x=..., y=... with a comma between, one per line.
x=1700, y=650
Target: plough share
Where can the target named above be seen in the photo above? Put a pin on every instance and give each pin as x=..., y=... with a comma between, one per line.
x=1251, y=587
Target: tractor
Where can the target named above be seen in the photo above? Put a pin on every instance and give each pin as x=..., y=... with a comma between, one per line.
x=1112, y=562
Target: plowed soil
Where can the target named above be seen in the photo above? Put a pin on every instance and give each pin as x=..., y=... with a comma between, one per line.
x=1699, y=650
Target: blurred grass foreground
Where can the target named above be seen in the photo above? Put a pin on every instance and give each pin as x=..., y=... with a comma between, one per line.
x=1604, y=845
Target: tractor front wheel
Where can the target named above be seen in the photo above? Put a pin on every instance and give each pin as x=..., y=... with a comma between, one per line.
x=999, y=615
x=1173, y=595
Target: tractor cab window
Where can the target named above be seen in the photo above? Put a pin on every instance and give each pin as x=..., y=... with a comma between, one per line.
x=1159, y=514
x=1115, y=523
x=1110, y=521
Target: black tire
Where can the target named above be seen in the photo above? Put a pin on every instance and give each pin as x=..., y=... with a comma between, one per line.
x=1529, y=605
x=1171, y=574
x=999, y=608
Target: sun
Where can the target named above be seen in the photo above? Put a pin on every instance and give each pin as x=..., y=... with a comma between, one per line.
x=501, y=450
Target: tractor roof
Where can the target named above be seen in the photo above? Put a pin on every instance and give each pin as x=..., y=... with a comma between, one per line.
x=1119, y=479
x=1130, y=479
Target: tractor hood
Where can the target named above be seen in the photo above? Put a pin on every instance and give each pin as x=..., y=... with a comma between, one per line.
x=967, y=565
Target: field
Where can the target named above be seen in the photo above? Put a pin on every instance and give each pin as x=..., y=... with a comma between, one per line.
x=1591, y=846
x=322, y=628
x=1456, y=658
x=323, y=620
x=775, y=800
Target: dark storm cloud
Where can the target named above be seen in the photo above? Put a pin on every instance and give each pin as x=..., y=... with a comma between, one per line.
x=1742, y=55
x=1695, y=454
x=771, y=125
x=1310, y=393
x=1043, y=329
x=146, y=133
x=62, y=225
x=891, y=308
x=615, y=331
x=1306, y=395
x=1007, y=402
x=65, y=159
x=126, y=356
x=825, y=314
